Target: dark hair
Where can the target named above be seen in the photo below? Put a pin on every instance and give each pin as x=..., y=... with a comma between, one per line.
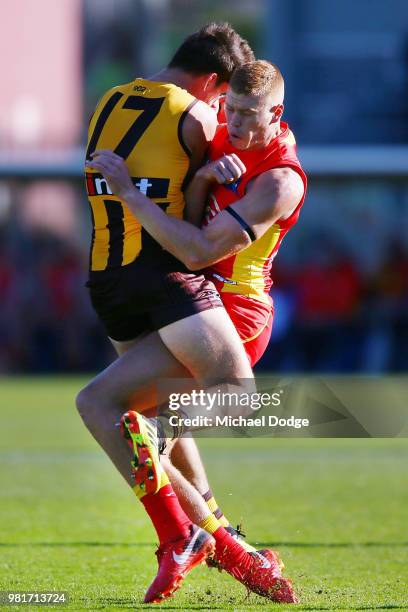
x=217, y=47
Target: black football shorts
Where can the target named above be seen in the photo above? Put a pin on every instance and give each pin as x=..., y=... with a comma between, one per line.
x=148, y=294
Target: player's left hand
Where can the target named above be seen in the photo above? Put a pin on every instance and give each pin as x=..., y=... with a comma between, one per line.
x=114, y=170
x=226, y=169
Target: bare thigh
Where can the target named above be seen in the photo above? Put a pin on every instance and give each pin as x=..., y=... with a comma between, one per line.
x=133, y=376
x=204, y=346
x=146, y=398
x=208, y=345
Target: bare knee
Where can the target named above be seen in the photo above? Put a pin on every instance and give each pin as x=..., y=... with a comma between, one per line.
x=88, y=405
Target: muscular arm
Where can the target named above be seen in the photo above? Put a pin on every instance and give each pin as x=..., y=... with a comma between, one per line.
x=197, y=132
x=273, y=195
x=195, y=196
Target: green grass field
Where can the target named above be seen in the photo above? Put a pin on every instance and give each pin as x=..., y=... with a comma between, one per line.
x=337, y=510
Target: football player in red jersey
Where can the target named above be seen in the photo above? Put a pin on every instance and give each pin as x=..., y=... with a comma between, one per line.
x=256, y=188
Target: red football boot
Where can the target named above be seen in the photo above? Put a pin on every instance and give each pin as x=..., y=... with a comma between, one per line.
x=261, y=573
x=176, y=560
x=282, y=589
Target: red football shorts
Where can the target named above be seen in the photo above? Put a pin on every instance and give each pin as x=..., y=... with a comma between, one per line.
x=253, y=322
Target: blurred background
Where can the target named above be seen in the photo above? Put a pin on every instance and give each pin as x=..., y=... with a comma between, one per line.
x=341, y=277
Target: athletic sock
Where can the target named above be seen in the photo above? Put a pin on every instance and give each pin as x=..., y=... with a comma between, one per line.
x=228, y=551
x=210, y=524
x=214, y=508
x=168, y=518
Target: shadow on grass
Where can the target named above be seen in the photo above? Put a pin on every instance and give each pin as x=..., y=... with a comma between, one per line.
x=128, y=603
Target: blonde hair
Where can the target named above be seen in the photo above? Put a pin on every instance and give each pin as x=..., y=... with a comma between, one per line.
x=258, y=78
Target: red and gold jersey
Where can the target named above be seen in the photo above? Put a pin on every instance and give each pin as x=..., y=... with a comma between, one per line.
x=141, y=121
x=249, y=271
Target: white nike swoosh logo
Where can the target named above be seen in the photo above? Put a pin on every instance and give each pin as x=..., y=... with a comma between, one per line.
x=181, y=559
x=265, y=563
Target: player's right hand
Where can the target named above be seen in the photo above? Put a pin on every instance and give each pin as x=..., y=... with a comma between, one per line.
x=226, y=169
x=114, y=170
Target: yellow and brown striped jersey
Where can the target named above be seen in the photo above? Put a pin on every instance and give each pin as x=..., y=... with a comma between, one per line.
x=141, y=121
